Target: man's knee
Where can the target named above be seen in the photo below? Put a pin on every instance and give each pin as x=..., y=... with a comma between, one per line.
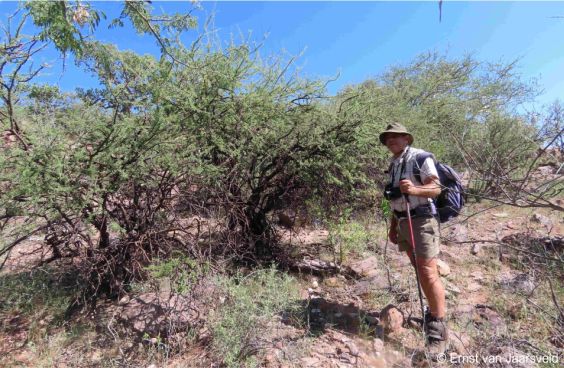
x=428, y=270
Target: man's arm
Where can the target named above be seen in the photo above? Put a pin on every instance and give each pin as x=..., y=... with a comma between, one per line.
x=430, y=189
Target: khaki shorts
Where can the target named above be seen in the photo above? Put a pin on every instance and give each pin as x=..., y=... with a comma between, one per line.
x=425, y=233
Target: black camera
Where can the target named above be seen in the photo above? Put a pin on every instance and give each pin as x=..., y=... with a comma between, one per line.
x=391, y=192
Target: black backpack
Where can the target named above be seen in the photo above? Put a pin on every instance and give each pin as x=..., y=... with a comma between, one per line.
x=452, y=198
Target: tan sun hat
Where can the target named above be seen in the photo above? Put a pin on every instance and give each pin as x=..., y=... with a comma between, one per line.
x=395, y=128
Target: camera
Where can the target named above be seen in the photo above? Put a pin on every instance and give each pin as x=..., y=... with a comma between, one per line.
x=391, y=192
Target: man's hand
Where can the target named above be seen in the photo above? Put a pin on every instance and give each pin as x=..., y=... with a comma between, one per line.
x=430, y=189
x=393, y=235
x=407, y=187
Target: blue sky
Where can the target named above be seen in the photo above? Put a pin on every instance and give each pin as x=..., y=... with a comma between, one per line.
x=359, y=40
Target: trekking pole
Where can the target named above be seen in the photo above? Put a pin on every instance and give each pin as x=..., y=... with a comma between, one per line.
x=415, y=260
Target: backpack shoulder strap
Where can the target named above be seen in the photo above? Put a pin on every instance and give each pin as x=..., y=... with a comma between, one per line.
x=419, y=160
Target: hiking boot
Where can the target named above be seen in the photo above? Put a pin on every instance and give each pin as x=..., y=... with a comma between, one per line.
x=436, y=333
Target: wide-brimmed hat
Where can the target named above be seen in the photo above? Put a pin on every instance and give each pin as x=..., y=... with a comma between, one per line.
x=395, y=128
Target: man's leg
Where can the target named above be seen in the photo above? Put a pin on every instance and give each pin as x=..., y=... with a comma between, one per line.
x=432, y=286
x=435, y=327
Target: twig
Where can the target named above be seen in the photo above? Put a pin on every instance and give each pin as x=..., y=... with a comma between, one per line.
x=509, y=246
x=555, y=300
x=22, y=238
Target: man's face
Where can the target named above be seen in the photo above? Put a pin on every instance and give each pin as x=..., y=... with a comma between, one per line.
x=396, y=142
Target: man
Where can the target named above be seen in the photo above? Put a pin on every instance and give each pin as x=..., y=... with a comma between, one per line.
x=425, y=226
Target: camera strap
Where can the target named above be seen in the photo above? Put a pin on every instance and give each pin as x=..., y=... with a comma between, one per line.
x=403, y=159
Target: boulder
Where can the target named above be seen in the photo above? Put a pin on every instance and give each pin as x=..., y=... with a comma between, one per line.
x=156, y=314
x=333, y=282
x=366, y=267
x=443, y=267
x=473, y=286
x=476, y=247
x=310, y=362
x=487, y=316
x=522, y=282
x=378, y=345
x=392, y=319
x=369, y=284
x=452, y=288
x=456, y=233
x=541, y=219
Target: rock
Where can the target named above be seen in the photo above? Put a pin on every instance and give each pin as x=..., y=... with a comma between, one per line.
x=96, y=356
x=369, y=284
x=491, y=317
x=310, y=362
x=160, y=314
x=353, y=349
x=392, y=319
x=510, y=225
x=315, y=284
x=378, y=345
x=473, y=286
x=476, y=247
x=464, y=309
x=457, y=233
x=452, y=288
x=347, y=358
x=270, y=358
x=543, y=220
x=460, y=342
x=366, y=267
x=522, y=282
x=374, y=361
x=415, y=323
x=156, y=314
x=449, y=295
x=443, y=267
x=331, y=282
x=372, y=318
x=501, y=215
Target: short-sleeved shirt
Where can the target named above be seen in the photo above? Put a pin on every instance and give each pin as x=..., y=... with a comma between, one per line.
x=427, y=169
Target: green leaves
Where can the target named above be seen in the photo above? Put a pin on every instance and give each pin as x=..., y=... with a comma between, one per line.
x=215, y=126
x=62, y=22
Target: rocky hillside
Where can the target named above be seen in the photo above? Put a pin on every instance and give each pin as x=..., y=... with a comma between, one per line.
x=502, y=268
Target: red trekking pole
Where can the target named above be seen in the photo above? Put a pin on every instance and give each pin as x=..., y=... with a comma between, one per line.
x=415, y=260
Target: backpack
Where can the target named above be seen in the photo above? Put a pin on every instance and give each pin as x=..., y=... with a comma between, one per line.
x=452, y=198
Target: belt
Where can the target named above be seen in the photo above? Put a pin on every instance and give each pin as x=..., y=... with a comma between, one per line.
x=419, y=211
